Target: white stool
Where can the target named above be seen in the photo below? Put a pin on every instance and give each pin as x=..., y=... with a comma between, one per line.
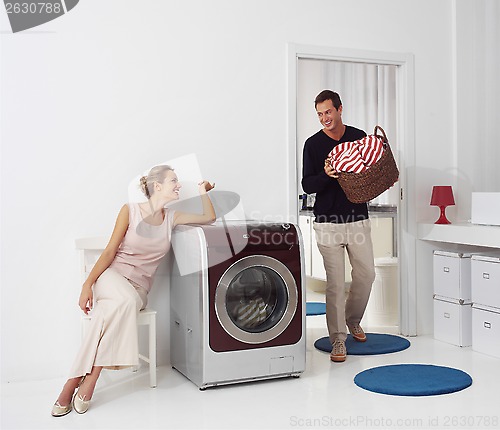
x=146, y=317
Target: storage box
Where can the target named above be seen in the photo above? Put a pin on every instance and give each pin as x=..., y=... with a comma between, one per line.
x=452, y=275
x=485, y=208
x=485, y=330
x=485, y=280
x=452, y=321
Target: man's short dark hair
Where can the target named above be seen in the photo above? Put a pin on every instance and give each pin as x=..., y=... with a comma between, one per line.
x=325, y=95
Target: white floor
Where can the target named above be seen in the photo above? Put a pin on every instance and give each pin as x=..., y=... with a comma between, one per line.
x=325, y=396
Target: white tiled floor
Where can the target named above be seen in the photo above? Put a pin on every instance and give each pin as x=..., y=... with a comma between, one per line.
x=325, y=396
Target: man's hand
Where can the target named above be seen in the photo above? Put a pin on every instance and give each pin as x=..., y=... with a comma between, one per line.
x=330, y=171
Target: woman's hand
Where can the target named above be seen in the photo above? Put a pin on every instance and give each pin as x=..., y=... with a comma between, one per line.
x=330, y=171
x=86, y=301
x=208, y=215
x=205, y=186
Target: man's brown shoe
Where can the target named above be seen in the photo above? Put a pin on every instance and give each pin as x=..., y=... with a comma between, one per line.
x=357, y=333
x=339, y=352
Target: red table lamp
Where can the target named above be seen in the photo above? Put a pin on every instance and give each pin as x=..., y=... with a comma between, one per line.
x=442, y=196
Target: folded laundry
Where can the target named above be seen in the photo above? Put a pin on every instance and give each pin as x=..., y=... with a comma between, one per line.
x=356, y=156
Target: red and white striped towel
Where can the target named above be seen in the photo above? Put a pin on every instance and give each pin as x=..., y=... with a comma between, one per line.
x=356, y=156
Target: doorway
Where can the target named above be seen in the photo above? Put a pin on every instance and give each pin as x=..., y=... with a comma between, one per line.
x=368, y=92
x=340, y=68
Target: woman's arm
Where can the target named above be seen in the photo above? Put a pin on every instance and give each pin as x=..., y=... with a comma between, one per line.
x=208, y=215
x=106, y=258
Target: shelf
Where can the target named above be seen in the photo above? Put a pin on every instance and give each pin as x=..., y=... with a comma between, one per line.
x=461, y=233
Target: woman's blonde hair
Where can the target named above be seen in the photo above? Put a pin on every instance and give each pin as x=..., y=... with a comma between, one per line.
x=156, y=174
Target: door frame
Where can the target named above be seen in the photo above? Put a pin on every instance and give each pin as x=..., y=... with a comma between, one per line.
x=406, y=220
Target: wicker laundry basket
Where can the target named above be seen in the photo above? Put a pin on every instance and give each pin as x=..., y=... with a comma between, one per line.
x=364, y=186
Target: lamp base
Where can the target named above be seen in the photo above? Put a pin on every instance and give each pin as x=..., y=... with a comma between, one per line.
x=442, y=218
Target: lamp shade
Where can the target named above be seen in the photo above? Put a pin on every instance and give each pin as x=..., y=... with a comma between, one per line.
x=442, y=195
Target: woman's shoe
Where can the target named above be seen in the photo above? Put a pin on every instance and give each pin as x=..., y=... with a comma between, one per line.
x=60, y=411
x=80, y=405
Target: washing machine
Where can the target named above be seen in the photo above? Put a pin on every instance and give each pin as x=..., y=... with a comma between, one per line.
x=237, y=302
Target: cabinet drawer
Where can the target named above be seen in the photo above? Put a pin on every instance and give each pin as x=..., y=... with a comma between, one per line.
x=486, y=331
x=453, y=322
x=485, y=278
x=452, y=275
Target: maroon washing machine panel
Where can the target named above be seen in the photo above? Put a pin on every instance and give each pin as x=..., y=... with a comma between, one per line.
x=255, y=294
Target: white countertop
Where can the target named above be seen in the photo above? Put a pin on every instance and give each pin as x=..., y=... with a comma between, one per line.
x=463, y=233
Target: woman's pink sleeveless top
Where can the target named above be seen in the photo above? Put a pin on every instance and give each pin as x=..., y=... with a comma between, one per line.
x=143, y=247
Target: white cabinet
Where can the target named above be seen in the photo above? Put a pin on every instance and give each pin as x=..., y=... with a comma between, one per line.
x=452, y=278
x=485, y=330
x=452, y=297
x=313, y=258
x=453, y=322
x=382, y=238
x=486, y=280
x=485, y=286
x=305, y=225
x=317, y=267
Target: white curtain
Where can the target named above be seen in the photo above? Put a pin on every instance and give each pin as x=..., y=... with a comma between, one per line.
x=368, y=94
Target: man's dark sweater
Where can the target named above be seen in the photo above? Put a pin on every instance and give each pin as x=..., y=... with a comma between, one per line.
x=331, y=203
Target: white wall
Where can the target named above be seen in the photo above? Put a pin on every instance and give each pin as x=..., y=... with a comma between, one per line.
x=100, y=94
x=474, y=153
x=478, y=91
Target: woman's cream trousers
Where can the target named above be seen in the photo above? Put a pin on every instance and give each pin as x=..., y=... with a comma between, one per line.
x=111, y=337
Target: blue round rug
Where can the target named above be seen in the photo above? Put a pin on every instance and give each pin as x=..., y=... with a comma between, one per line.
x=413, y=380
x=376, y=343
x=315, y=308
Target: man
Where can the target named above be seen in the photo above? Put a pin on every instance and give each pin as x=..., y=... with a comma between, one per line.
x=339, y=226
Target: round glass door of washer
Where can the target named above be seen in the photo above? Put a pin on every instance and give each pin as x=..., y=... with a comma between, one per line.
x=256, y=299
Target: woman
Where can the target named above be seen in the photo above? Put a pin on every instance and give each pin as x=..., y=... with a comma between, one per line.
x=120, y=281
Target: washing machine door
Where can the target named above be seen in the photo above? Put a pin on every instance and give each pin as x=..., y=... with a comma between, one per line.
x=256, y=299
